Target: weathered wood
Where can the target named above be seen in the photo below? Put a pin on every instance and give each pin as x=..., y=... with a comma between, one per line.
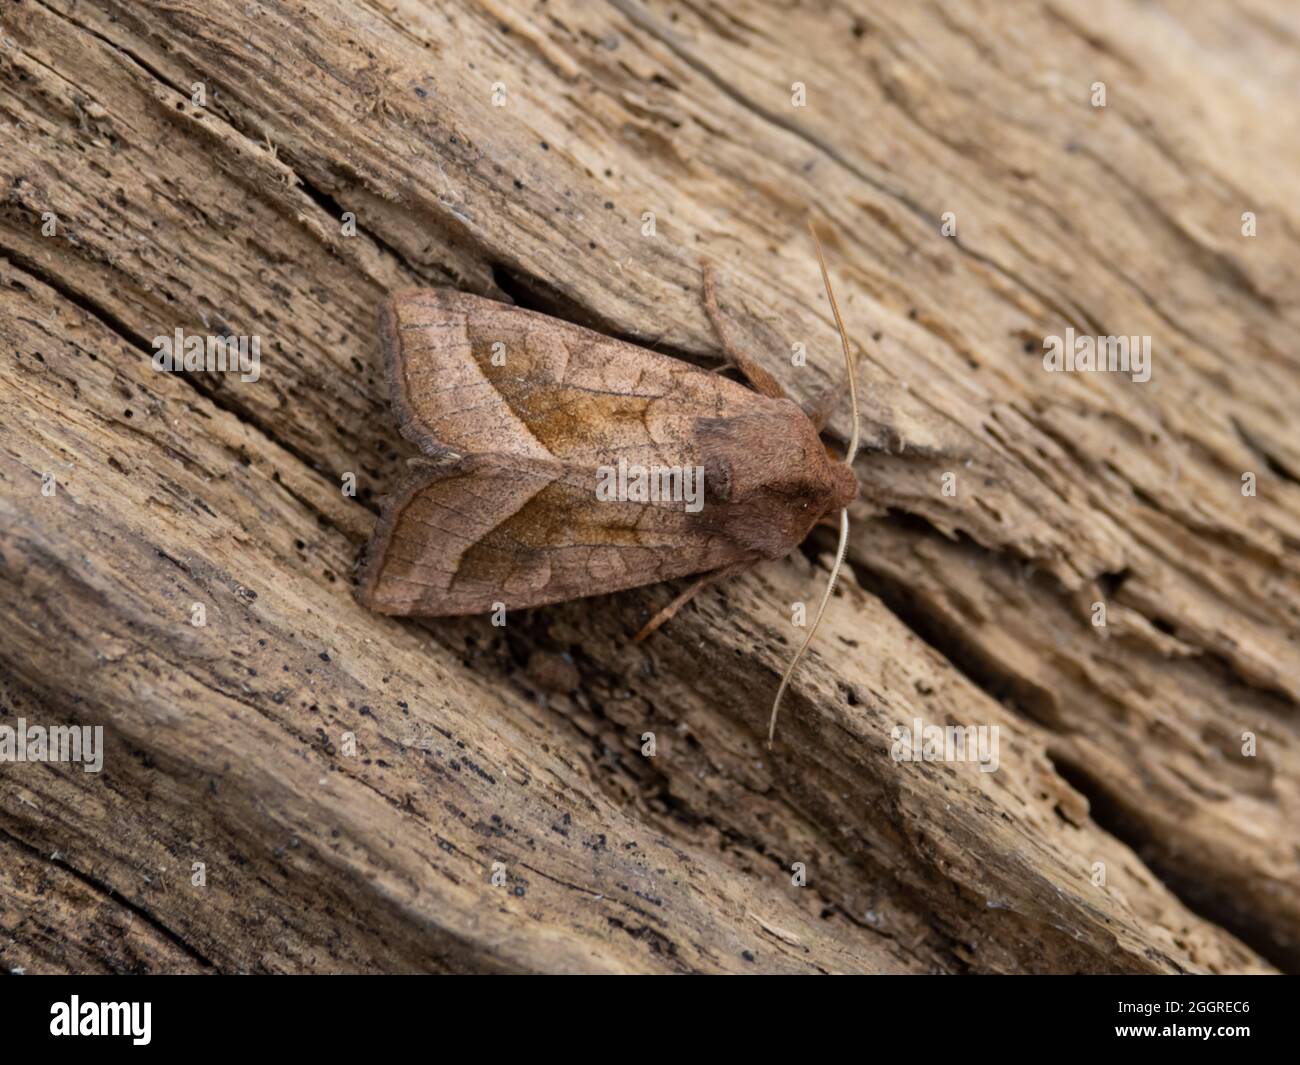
x=521, y=746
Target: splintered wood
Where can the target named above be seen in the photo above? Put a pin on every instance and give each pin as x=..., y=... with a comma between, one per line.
x=1050, y=720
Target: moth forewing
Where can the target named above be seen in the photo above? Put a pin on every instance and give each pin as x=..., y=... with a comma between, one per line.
x=519, y=518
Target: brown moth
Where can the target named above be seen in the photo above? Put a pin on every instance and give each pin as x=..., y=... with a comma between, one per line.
x=520, y=416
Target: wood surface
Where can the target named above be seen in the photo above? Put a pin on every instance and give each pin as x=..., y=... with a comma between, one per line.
x=228, y=744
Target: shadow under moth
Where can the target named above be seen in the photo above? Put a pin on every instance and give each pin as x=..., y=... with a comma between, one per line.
x=559, y=463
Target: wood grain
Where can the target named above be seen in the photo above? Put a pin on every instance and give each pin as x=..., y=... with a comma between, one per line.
x=521, y=745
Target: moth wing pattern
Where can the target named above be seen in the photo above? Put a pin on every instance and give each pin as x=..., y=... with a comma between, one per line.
x=488, y=529
x=522, y=410
x=470, y=375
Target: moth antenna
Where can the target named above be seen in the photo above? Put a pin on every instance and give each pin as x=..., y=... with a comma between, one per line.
x=842, y=550
x=826, y=598
x=844, y=342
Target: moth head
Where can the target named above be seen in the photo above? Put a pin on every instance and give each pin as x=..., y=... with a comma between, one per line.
x=769, y=477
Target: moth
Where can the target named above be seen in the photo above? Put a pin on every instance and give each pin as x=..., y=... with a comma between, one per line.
x=520, y=418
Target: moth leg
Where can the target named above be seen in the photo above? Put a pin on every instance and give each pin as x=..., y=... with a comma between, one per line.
x=695, y=588
x=762, y=381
